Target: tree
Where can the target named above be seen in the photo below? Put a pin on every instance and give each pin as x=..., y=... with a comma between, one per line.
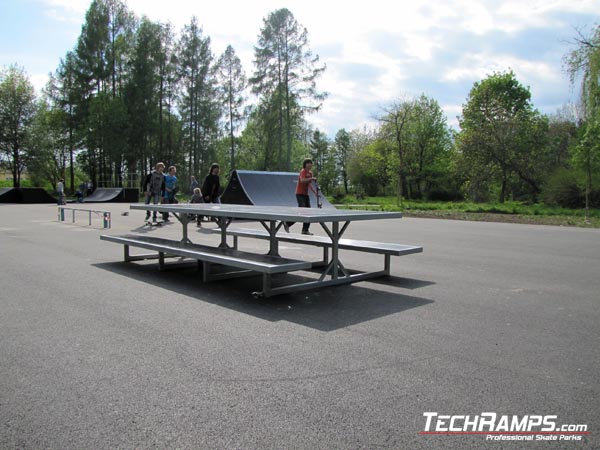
x=319, y=146
x=587, y=157
x=501, y=135
x=286, y=72
x=562, y=135
x=199, y=105
x=49, y=145
x=430, y=141
x=233, y=83
x=17, y=110
x=167, y=94
x=64, y=96
x=370, y=168
x=142, y=97
x=395, y=129
x=342, y=155
x=102, y=52
x=324, y=162
x=585, y=61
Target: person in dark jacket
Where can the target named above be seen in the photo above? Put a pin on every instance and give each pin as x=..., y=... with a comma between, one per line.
x=153, y=187
x=211, y=188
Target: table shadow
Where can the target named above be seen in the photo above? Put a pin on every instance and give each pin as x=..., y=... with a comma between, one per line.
x=325, y=309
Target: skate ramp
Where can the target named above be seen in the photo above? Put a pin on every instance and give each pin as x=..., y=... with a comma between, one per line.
x=25, y=195
x=247, y=187
x=116, y=195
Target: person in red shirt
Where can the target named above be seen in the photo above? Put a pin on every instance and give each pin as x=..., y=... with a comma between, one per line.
x=305, y=179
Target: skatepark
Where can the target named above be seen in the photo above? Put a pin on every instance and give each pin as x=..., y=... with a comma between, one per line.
x=99, y=353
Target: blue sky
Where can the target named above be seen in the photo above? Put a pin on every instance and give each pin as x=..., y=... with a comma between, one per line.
x=376, y=52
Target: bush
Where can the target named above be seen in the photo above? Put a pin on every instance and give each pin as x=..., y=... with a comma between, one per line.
x=445, y=194
x=562, y=189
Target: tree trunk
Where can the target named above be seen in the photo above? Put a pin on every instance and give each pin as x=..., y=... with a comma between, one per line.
x=71, y=160
x=232, y=163
x=503, y=186
x=16, y=171
x=588, y=188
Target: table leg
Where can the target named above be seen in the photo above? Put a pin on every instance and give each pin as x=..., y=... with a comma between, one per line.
x=335, y=240
x=273, y=228
x=335, y=266
x=223, y=223
x=184, y=220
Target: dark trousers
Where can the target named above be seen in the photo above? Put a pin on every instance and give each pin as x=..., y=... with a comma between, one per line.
x=169, y=199
x=303, y=202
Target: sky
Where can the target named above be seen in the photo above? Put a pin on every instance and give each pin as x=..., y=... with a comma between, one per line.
x=377, y=52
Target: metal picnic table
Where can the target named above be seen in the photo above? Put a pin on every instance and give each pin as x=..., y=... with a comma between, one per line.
x=333, y=221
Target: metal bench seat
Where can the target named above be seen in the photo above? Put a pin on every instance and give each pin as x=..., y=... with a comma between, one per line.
x=209, y=255
x=324, y=241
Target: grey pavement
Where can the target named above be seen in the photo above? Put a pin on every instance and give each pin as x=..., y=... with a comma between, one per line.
x=96, y=353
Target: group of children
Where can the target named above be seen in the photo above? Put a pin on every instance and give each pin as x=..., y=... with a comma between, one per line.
x=161, y=187
x=158, y=186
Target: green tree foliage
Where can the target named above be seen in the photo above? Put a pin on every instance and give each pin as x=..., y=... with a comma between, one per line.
x=285, y=77
x=395, y=132
x=63, y=94
x=419, y=139
x=586, y=156
x=585, y=62
x=102, y=52
x=324, y=162
x=342, y=152
x=232, y=80
x=430, y=147
x=199, y=104
x=133, y=92
x=370, y=168
x=49, y=146
x=142, y=97
x=259, y=139
x=17, y=111
x=168, y=123
x=502, y=137
x=562, y=135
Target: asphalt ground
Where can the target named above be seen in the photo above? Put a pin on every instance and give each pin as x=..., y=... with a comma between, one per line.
x=96, y=353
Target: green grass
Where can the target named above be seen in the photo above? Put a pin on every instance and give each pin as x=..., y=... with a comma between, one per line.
x=503, y=212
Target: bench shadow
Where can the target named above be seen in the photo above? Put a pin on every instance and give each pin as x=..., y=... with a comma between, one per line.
x=145, y=228
x=326, y=309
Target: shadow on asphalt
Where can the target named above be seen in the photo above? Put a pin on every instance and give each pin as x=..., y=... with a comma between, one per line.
x=327, y=309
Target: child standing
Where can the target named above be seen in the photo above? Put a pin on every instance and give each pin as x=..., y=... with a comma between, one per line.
x=305, y=179
x=197, y=198
x=170, y=189
x=153, y=186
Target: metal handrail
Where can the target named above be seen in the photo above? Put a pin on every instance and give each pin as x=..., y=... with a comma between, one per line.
x=106, y=216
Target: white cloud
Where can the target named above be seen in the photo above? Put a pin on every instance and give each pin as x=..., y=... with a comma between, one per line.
x=400, y=41
x=66, y=10
x=479, y=66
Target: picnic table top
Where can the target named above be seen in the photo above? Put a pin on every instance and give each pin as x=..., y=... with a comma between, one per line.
x=291, y=214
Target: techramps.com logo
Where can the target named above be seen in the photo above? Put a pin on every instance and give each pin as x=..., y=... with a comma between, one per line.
x=497, y=427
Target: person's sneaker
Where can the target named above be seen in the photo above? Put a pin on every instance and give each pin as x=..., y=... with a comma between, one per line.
x=148, y=216
x=308, y=233
x=286, y=227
